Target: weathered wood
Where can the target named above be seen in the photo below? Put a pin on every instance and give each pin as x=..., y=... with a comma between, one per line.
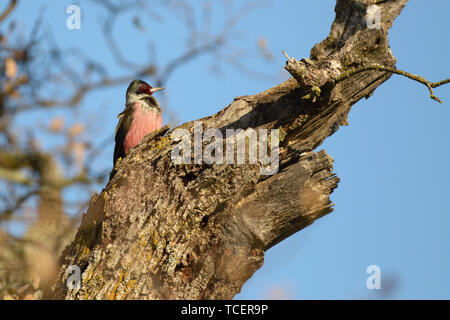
x=164, y=231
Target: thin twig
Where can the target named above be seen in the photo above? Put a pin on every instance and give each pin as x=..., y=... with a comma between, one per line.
x=8, y=10
x=285, y=54
x=347, y=74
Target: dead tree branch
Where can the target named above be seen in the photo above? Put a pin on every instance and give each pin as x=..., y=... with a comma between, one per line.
x=430, y=85
x=8, y=10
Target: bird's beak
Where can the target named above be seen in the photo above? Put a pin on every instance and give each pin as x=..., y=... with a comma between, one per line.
x=153, y=90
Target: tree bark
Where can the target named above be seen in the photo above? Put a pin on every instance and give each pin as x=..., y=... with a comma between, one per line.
x=159, y=230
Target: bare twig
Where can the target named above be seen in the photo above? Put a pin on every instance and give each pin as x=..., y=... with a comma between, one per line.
x=8, y=10
x=285, y=54
x=376, y=67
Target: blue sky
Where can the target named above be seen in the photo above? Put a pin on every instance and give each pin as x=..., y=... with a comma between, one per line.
x=391, y=206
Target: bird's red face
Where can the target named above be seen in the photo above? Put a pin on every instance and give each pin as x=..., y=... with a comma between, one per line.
x=145, y=88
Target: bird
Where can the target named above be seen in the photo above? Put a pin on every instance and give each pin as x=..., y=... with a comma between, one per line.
x=141, y=116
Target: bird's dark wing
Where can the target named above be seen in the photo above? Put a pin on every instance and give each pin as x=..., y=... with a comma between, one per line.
x=121, y=131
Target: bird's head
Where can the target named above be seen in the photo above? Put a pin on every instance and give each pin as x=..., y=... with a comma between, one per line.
x=141, y=88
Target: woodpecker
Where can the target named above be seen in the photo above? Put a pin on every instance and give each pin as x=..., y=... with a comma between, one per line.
x=142, y=115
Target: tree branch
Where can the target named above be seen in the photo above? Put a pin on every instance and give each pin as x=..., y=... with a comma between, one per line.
x=8, y=10
x=347, y=74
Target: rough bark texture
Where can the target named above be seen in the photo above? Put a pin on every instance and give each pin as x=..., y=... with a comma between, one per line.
x=165, y=231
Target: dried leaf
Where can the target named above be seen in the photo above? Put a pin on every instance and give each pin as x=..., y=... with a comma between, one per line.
x=10, y=67
x=56, y=125
x=76, y=129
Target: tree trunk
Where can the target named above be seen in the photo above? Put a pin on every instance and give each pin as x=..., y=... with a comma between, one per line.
x=161, y=230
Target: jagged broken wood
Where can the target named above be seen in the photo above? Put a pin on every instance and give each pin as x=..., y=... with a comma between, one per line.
x=164, y=231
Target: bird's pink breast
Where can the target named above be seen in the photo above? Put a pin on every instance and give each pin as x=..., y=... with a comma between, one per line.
x=144, y=122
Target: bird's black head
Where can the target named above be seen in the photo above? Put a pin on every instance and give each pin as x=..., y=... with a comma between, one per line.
x=139, y=87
